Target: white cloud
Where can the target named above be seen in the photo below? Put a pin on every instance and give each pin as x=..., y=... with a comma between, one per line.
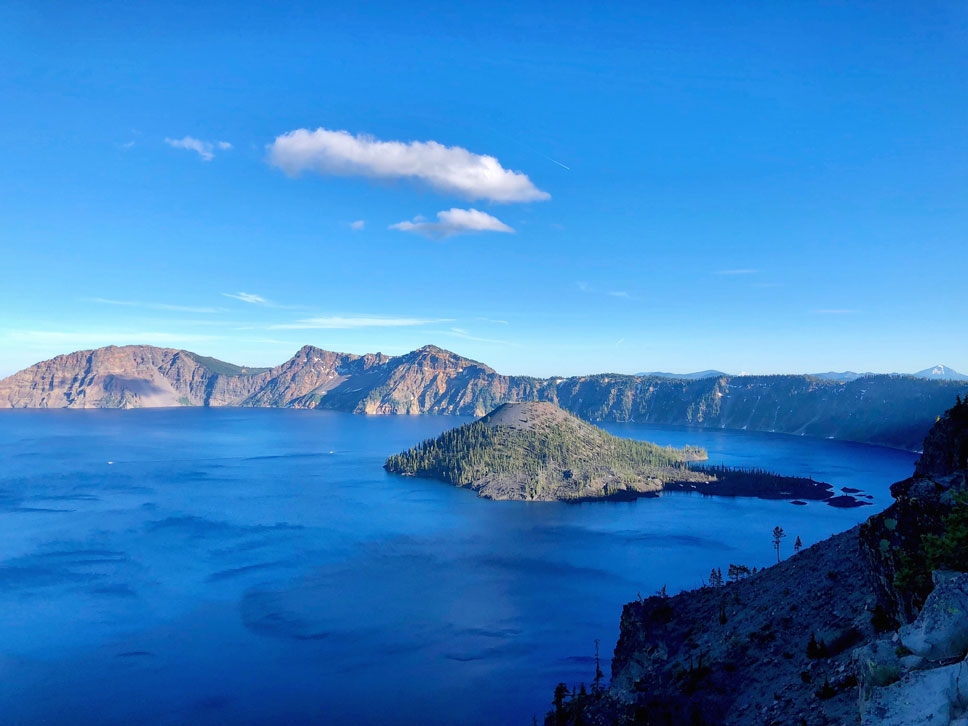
x=205, y=149
x=619, y=293
x=835, y=311
x=247, y=297
x=454, y=221
x=337, y=322
x=449, y=169
x=358, y=225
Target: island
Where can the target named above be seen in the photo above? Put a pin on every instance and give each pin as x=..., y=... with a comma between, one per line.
x=537, y=451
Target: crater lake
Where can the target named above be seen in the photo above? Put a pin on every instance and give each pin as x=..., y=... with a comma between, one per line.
x=258, y=566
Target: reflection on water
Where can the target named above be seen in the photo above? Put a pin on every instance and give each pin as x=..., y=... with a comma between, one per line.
x=259, y=567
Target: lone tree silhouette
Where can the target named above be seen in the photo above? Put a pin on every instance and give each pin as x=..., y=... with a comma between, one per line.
x=778, y=534
x=597, y=682
x=798, y=545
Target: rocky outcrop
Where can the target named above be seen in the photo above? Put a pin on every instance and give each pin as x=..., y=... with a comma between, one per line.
x=890, y=410
x=940, y=631
x=895, y=540
x=870, y=626
x=741, y=654
x=920, y=674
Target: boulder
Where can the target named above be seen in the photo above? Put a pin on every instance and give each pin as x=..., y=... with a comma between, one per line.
x=875, y=665
x=940, y=631
x=920, y=698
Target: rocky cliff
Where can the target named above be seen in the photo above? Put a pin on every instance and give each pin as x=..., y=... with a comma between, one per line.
x=868, y=627
x=902, y=542
x=890, y=410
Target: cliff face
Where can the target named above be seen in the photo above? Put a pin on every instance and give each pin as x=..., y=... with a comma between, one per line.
x=889, y=410
x=894, y=541
x=107, y=377
x=810, y=640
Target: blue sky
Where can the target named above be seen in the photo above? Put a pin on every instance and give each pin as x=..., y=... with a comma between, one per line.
x=675, y=186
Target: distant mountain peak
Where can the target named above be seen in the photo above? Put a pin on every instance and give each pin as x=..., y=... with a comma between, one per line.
x=941, y=372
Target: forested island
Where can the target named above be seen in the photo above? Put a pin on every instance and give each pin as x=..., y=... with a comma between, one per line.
x=539, y=452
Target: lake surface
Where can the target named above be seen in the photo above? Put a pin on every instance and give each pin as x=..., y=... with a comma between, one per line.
x=257, y=566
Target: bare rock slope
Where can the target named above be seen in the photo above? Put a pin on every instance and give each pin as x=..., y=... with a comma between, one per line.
x=891, y=410
x=868, y=627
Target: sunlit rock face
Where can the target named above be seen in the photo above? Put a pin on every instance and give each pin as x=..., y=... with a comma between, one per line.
x=891, y=410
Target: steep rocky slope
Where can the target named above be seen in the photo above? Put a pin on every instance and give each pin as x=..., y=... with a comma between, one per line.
x=889, y=410
x=869, y=626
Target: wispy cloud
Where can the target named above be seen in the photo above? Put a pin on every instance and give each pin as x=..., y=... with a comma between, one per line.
x=452, y=222
x=448, y=169
x=184, y=308
x=96, y=338
x=350, y=322
x=592, y=290
x=492, y=320
x=465, y=335
x=247, y=297
x=737, y=272
x=106, y=301
x=358, y=225
x=767, y=284
x=153, y=306
x=835, y=311
x=205, y=149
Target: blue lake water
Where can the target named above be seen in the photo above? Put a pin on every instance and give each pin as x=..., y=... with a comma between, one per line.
x=257, y=566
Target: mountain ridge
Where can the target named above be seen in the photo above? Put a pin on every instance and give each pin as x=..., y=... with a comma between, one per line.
x=890, y=410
